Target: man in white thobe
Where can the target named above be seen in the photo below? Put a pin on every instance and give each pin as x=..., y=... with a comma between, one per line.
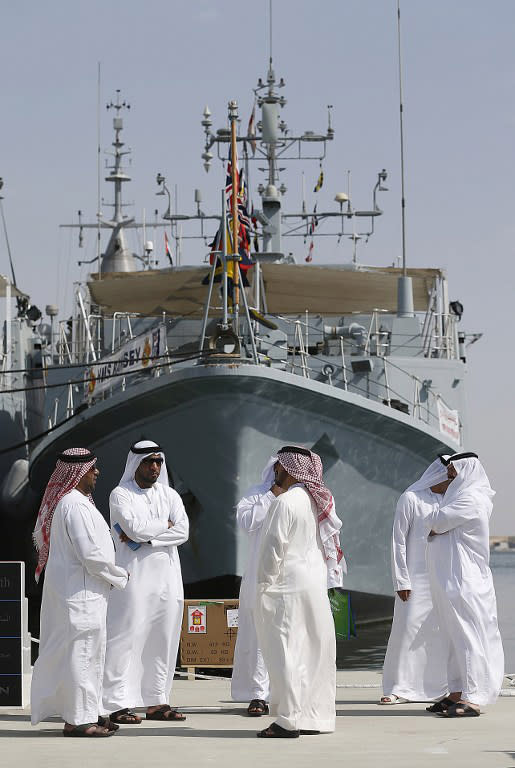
x=249, y=675
x=75, y=545
x=414, y=665
x=149, y=523
x=295, y=628
x=462, y=587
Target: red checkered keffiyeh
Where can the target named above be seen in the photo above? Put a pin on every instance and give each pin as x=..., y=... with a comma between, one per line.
x=308, y=469
x=66, y=476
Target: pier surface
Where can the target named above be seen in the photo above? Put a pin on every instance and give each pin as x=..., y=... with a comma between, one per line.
x=217, y=732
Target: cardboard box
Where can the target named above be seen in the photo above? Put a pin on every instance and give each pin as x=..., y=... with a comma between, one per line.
x=208, y=634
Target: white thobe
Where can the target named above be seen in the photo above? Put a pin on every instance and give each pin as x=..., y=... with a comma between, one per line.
x=143, y=627
x=249, y=674
x=415, y=665
x=464, y=597
x=294, y=624
x=67, y=676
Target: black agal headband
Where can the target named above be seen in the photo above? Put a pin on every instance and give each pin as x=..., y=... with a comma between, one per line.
x=148, y=449
x=76, y=458
x=446, y=460
x=294, y=449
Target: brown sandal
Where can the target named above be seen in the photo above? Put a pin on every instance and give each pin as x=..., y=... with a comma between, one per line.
x=460, y=709
x=275, y=731
x=440, y=706
x=166, y=713
x=105, y=722
x=125, y=717
x=257, y=707
x=79, y=731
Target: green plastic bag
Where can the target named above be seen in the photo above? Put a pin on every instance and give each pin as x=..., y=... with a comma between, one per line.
x=341, y=608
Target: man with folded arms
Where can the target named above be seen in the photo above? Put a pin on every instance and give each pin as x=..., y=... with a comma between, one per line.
x=149, y=523
x=415, y=662
x=462, y=588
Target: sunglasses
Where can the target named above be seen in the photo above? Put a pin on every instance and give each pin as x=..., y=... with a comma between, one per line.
x=150, y=460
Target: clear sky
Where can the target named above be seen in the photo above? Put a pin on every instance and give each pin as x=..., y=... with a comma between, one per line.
x=172, y=57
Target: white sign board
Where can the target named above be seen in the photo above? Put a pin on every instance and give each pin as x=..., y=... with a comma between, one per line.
x=449, y=421
x=139, y=353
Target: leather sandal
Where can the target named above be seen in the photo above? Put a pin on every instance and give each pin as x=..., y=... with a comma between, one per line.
x=166, y=713
x=275, y=731
x=105, y=722
x=460, y=709
x=257, y=708
x=125, y=717
x=80, y=731
x=440, y=706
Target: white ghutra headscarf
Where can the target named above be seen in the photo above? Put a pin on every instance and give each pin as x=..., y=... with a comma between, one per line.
x=471, y=481
x=434, y=474
x=267, y=479
x=137, y=453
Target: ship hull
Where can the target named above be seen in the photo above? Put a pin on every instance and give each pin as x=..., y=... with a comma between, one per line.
x=220, y=424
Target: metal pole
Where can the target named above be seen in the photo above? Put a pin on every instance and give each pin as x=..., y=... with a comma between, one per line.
x=7, y=325
x=344, y=369
x=90, y=346
x=224, y=257
x=401, y=110
x=257, y=287
x=208, y=302
x=387, y=384
x=233, y=116
x=251, y=331
x=98, y=173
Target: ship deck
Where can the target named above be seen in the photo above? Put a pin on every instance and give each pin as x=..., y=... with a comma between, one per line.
x=217, y=732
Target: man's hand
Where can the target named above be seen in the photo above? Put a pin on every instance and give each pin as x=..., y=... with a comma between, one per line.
x=276, y=489
x=433, y=533
x=123, y=537
x=404, y=594
x=170, y=524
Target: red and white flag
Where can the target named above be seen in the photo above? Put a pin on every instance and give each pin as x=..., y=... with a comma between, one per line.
x=309, y=257
x=168, y=250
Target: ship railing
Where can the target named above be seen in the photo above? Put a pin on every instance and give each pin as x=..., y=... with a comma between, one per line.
x=303, y=350
x=118, y=317
x=375, y=334
x=439, y=334
x=422, y=403
x=63, y=347
x=70, y=404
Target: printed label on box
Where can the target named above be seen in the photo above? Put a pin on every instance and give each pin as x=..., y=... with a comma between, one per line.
x=197, y=619
x=232, y=617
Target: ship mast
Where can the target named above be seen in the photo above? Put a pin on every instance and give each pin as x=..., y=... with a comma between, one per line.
x=117, y=257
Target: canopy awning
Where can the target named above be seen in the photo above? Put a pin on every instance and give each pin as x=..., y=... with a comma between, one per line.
x=290, y=289
x=4, y=282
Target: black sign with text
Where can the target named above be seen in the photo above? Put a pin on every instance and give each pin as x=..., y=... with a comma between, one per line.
x=11, y=630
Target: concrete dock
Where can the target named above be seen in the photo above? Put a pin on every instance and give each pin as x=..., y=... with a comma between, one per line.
x=217, y=732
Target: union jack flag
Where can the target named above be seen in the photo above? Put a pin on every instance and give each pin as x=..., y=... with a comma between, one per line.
x=244, y=230
x=244, y=223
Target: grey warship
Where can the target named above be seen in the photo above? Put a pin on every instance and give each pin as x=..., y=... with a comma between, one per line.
x=366, y=365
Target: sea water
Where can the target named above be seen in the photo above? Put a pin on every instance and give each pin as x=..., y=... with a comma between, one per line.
x=368, y=648
x=503, y=571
